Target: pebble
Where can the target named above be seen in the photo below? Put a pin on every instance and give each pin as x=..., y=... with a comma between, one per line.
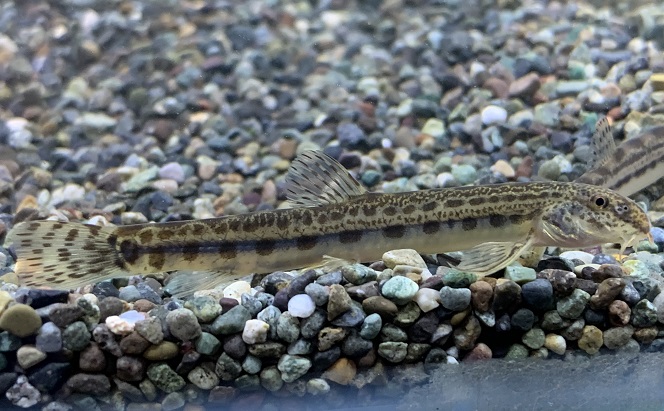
x=301, y=306
x=205, y=308
x=481, y=295
x=538, y=295
x=617, y=337
x=231, y=321
x=207, y=344
x=403, y=257
x=236, y=289
x=164, y=378
x=183, y=324
x=394, y=352
x=380, y=305
x=534, y=338
x=288, y=327
x=619, y=313
x=150, y=329
x=359, y=274
x=480, y=352
x=555, y=343
x=573, y=305
x=427, y=299
x=76, y=336
x=591, y=339
x=293, y=367
x=20, y=320
x=493, y=115
x=520, y=275
x=49, y=338
x=22, y=393
x=644, y=314
x=338, y=302
x=467, y=334
x=319, y=294
x=399, y=289
x=455, y=299
x=607, y=291
x=165, y=350
x=28, y=356
x=506, y=294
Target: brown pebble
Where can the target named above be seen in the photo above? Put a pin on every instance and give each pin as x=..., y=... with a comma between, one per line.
x=222, y=394
x=607, y=291
x=92, y=359
x=329, y=336
x=338, y=303
x=525, y=86
x=481, y=294
x=134, y=344
x=619, y=313
x=342, y=371
x=498, y=87
x=227, y=303
x=361, y=292
x=646, y=335
x=480, y=352
x=381, y=306
x=143, y=305
x=130, y=369
x=368, y=360
x=606, y=271
x=434, y=282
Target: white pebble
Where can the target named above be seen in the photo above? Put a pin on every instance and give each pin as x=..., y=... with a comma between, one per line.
x=236, y=290
x=587, y=258
x=255, y=331
x=427, y=299
x=555, y=343
x=119, y=326
x=132, y=316
x=494, y=115
x=172, y=171
x=301, y=306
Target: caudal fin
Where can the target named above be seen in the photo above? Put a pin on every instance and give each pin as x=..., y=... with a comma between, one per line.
x=64, y=255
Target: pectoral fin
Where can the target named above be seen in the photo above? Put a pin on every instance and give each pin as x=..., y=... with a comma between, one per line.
x=329, y=263
x=487, y=258
x=185, y=283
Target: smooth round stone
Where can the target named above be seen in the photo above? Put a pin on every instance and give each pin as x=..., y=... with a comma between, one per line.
x=455, y=299
x=459, y=279
x=288, y=327
x=358, y=274
x=380, y=305
x=464, y=174
x=236, y=289
x=555, y=343
x=506, y=294
x=573, y=305
x=534, y=338
x=493, y=115
x=399, y=289
x=255, y=331
x=538, y=294
x=20, y=320
x=130, y=294
x=523, y=319
x=49, y=338
x=301, y=306
x=172, y=171
x=519, y=274
x=162, y=351
x=76, y=336
x=371, y=326
x=404, y=256
x=427, y=299
x=231, y=322
x=183, y=324
x=591, y=339
x=252, y=365
x=319, y=294
x=394, y=352
x=29, y=355
x=317, y=386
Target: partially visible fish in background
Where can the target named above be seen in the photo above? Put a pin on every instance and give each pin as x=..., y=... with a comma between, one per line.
x=336, y=217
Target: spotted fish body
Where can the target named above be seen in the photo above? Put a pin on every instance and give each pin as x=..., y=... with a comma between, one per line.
x=632, y=166
x=335, y=217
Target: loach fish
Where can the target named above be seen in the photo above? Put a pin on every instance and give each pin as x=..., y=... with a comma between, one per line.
x=627, y=169
x=333, y=216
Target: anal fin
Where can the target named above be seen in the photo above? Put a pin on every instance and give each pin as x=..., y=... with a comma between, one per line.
x=487, y=258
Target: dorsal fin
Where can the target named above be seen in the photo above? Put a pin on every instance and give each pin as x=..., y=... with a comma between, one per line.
x=315, y=179
x=602, y=144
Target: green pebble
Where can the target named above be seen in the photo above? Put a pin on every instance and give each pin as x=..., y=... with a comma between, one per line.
x=394, y=352
x=399, y=289
x=227, y=368
x=407, y=315
x=516, y=351
x=207, y=344
x=358, y=274
x=293, y=367
x=252, y=364
x=548, y=114
x=165, y=378
x=20, y=320
x=534, y=338
x=443, y=164
x=76, y=336
x=371, y=326
x=434, y=127
x=205, y=308
x=464, y=173
x=519, y=274
x=271, y=379
x=549, y=170
x=639, y=269
x=248, y=382
x=172, y=401
x=459, y=279
x=231, y=322
x=9, y=342
x=573, y=305
x=371, y=177
x=644, y=314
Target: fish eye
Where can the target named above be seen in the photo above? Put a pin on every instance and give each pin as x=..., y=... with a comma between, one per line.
x=600, y=201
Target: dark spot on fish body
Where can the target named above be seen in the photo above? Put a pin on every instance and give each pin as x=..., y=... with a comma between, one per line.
x=306, y=218
x=390, y=211
x=452, y=203
x=165, y=234
x=322, y=219
x=57, y=226
x=47, y=245
x=77, y=275
x=474, y=201
x=516, y=218
x=509, y=198
x=497, y=220
x=129, y=250
x=451, y=224
x=335, y=216
x=198, y=227
x=409, y=209
x=619, y=154
x=227, y=251
x=250, y=224
x=234, y=223
x=430, y=206
x=282, y=222
x=94, y=229
x=431, y=227
x=157, y=260
x=349, y=237
x=37, y=251
x=145, y=235
x=265, y=247
x=369, y=210
x=34, y=226
x=71, y=235
x=353, y=211
x=468, y=224
x=306, y=243
x=396, y=231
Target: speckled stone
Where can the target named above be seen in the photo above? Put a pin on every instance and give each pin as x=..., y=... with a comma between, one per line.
x=573, y=305
x=644, y=314
x=76, y=336
x=64, y=314
x=150, y=329
x=203, y=377
x=130, y=369
x=183, y=324
x=591, y=339
x=399, y=289
x=92, y=359
x=394, y=352
x=619, y=313
x=20, y=320
x=607, y=291
x=227, y=368
x=293, y=367
x=467, y=334
x=617, y=337
x=165, y=378
x=371, y=326
x=481, y=294
x=338, y=302
x=205, y=308
x=94, y=384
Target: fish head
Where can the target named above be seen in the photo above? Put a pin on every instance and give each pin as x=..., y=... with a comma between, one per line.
x=591, y=216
